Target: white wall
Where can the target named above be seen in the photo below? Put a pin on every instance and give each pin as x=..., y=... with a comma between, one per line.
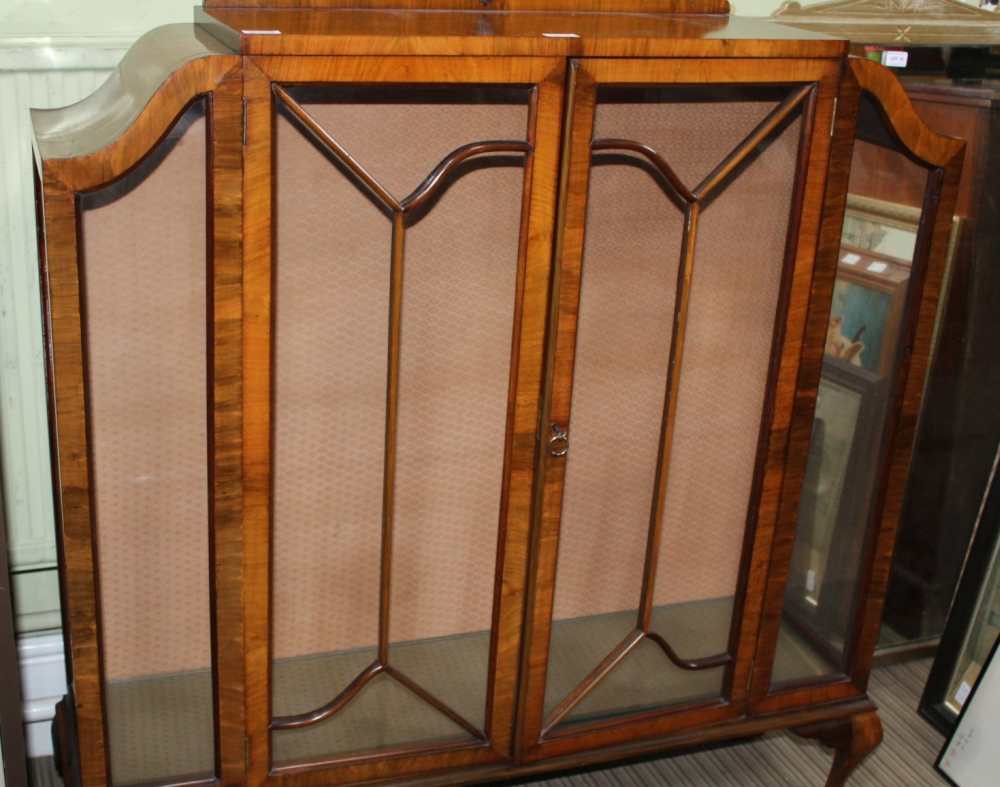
x=76, y=19
x=52, y=53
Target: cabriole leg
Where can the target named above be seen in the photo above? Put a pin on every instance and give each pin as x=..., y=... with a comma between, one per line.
x=852, y=740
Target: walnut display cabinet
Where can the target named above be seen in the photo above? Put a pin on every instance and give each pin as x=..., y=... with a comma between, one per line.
x=431, y=390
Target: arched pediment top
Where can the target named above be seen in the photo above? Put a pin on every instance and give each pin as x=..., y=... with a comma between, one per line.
x=923, y=142
x=101, y=137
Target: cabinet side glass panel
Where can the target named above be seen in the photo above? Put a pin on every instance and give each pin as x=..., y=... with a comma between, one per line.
x=646, y=237
x=391, y=448
x=145, y=293
x=877, y=263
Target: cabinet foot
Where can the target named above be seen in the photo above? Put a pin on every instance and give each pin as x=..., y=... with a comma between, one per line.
x=852, y=740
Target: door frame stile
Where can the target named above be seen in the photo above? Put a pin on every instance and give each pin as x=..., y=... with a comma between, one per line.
x=71, y=473
x=257, y=403
x=822, y=74
x=560, y=340
x=225, y=222
x=750, y=585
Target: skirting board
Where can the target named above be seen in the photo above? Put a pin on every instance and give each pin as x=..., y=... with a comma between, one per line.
x=43, y=683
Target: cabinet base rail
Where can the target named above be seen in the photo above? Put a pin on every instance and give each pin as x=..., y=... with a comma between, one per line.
x=851, y=728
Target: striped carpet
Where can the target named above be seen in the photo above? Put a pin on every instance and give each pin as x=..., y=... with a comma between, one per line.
x=905, y=758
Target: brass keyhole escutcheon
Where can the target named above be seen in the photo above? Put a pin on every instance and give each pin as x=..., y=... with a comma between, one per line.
x=559, y=442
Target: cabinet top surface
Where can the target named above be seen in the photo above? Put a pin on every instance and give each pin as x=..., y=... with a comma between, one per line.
x=336, y=31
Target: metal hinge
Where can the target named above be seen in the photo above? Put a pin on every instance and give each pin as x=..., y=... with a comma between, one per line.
x=833, y=115
x=245, y=123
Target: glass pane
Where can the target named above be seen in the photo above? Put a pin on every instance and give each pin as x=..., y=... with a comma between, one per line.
x=144, y=248
x=983, y=632
x=458, y=313
x=847, y=449
x=332, y=337
x=635, y=227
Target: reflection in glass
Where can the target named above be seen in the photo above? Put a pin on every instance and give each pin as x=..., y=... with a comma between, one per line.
x=868, y=318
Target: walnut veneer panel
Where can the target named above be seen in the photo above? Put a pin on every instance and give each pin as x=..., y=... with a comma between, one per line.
x=145, y=293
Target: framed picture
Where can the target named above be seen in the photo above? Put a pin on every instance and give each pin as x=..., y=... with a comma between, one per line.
x=867, y=312
x=884, y=228
x=970, y=757
x=836, y=496
x=974, y=620
x=889, y=230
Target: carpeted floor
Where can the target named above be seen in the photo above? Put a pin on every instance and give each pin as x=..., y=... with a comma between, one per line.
x=905, y=758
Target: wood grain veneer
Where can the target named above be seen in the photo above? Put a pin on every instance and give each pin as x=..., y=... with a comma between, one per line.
x=369, y=32
x=646, y=6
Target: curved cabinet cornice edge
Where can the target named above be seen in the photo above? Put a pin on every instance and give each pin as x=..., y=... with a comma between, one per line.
x=96, y=140
x=935, y=149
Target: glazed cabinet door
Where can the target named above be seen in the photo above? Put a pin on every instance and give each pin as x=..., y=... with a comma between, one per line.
x=399, y=216
x=688, y=234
